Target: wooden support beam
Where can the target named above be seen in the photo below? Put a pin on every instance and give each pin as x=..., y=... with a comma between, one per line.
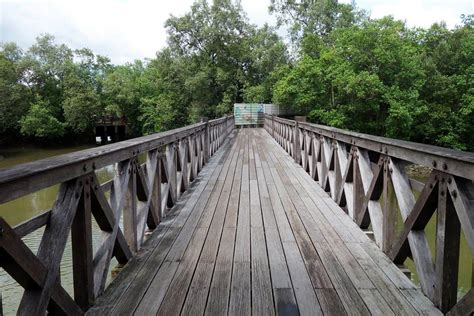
x=418, y=242
x=22, y=264
x=371, y=187
x=389, y=215
x=82, y=257
x=418, y=218
x=207, y=139
x=296, y=143
x=130, y=220
x=462, y=195
x=52, y=245
x=448, y=237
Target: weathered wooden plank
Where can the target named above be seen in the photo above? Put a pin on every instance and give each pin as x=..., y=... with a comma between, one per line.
x=305, y=295
x=262, y=296
x=330, y=302
x=307, y=301
x=375, y=302
x=349, y=296
x=32, y=224
x=421, y=302
x=313, y=263
x=195, y=303
x=282, y=286
x=176, y=293
x=285, y=302
x=385, y=286
x=220, y=287
x=345, y=186
x=240, y=299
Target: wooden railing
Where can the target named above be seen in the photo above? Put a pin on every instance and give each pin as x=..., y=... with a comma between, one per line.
x=367, y=176
x=140, y=196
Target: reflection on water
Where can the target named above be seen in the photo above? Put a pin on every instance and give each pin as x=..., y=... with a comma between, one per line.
x=19, y=210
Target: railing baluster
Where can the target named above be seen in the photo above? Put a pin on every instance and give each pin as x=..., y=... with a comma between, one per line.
x=448, y=239
x=153, y=167
x=82, y=256
x=389, y=215
x=130, y=220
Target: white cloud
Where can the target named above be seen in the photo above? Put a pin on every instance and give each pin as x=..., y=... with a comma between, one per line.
x=421, y=13
x=125, y=30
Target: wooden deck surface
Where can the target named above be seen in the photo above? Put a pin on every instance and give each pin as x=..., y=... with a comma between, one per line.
x=256, y=235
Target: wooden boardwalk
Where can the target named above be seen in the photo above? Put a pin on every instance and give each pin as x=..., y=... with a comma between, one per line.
x=255, y=234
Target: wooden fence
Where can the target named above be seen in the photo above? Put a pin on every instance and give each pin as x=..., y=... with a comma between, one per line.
x=361, y=171
x=140, y=194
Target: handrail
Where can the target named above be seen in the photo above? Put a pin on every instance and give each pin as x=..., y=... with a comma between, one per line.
x=140, y=195
x=29, y=177
x=359, y=171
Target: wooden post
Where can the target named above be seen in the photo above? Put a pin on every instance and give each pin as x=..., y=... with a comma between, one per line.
x=153, y=167
x=130, y=220
x=358, y=192
x=389, y=215
x=82, y=255
x=447, y=250
x=206, y=139
x=296, y=144
x=273, y=125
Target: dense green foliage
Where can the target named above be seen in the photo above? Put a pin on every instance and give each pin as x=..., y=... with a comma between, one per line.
x=215, y=58
x=382, y=78
x=370, y=75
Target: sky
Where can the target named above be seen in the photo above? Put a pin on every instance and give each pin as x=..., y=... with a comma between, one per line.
x=126, y=30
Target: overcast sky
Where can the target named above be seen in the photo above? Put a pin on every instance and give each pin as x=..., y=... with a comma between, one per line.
x=126, y=30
